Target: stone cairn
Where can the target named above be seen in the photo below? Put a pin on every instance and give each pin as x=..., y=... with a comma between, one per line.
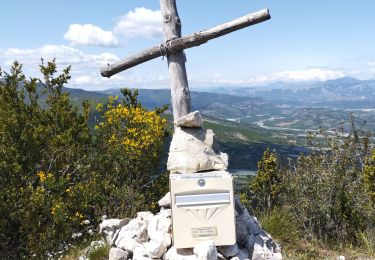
x=149, y=236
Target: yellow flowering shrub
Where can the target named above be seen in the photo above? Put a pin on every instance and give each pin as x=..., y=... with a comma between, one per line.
x=130, y=138
x=132, y=129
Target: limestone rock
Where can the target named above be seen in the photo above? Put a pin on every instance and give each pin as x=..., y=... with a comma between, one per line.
x=164, y=238
x=157, y=245
x=205, y=250
x=229, y=251
x=140, y=253
x=117, y=254
x=181, y=254
x=159, y=223
x=243, y=217
x=265, y=247
x=193, y=150
x=261, y=253
x=165, y=202
x=135, y=230
x=155, y=249
x=166, y=213
x=243, y=254
x=277, y=256
x=145, y=216
x=128, y=244
x=242, y=233
x=250, y=244
x=191, y=120
x=253, y=241
x=109, y=228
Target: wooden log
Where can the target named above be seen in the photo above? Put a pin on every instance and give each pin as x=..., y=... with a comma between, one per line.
x=176, y=45
x=181, y=103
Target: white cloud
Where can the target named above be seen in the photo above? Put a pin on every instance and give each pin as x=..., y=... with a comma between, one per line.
x=141, y=22
x=65, y=55
x=315, y=74
x=94, y=81
x=81, y=80
x=90, y=35
x=85, y=67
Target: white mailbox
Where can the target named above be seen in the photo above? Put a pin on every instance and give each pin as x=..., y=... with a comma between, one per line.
x=202, y=208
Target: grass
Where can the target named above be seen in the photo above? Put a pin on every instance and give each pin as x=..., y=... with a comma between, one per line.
x=282, y=226
x=99, y=253
x=318, y=250
x=288, y=232
x=368, y=240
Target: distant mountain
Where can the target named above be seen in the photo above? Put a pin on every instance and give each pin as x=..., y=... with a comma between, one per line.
x=211, y=104
x=287, y=110
x=339, y=93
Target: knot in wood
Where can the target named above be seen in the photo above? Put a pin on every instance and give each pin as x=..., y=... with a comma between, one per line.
x=167, y=18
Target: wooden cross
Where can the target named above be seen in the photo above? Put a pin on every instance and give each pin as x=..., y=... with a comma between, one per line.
x=173, y=49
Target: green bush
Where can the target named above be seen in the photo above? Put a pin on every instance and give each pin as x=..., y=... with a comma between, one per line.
x=58, y=176
x=328, y=190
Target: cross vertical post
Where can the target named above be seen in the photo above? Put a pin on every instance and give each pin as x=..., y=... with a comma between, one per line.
x=181, y=102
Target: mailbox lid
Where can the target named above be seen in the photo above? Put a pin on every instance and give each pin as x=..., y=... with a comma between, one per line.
x=198, y=183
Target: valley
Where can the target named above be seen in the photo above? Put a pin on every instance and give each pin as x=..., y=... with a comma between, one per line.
x=247, y=121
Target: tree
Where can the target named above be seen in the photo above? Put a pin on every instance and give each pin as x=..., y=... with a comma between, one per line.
x=369, y=176
x=267, y=184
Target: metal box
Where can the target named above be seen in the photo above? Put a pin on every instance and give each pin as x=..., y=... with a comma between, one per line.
x=202, y=208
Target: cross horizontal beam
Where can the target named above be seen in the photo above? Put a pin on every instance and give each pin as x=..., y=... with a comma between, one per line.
x=179, y=44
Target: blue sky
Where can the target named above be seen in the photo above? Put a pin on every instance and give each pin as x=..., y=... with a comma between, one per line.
x=303, y=41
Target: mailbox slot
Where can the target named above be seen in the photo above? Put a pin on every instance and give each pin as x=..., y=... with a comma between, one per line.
x=202, y=199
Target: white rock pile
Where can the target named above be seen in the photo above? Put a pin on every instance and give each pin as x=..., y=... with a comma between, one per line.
x=149, y=236
x=193, y=148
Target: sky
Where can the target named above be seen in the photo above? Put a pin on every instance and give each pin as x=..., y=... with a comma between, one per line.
x=303, y=41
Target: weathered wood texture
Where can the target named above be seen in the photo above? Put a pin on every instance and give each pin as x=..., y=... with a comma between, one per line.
x=176, y=45
x=181, y=103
